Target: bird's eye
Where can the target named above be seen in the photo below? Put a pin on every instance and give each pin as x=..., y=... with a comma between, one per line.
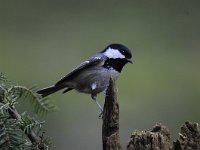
x=122, y=51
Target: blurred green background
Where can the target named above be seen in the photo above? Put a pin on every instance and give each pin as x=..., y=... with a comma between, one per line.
x=41, y=41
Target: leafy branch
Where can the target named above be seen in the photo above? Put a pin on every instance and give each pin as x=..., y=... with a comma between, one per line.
x=40, y=105
x=19, y=130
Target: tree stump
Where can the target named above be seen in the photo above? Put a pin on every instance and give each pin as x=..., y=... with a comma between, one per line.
x=157, y=139
x=110, y=127
x=189, y=138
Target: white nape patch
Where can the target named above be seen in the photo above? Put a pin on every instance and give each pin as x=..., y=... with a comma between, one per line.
x=94, y=86
x=113, y=53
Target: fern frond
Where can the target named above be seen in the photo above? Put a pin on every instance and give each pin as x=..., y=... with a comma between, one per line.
x=41, y=106
x=4, y=82
x=3, y=107
x=17, y=130
x=30, y=124
x=11, y=137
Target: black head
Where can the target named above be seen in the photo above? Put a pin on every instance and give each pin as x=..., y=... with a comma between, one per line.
x=118, y=55
x=113, y=48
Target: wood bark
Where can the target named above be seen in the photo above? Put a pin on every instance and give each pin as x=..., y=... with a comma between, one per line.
x=110, y=127
x=159, y=138
x=189, y=137
x=156, y=139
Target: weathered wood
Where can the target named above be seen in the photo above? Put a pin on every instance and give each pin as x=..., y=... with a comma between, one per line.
x=189, y=137
x=157, y=139
x=110, y=127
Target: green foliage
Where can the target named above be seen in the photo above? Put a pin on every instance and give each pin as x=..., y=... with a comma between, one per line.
x=20, y=131
x=10, y=134
x=31, y=124
x=40, y=105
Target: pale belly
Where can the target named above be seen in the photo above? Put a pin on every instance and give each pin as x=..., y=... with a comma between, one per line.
x=93, y=81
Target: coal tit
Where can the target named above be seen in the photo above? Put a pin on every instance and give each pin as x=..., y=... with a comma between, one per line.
x=93, y=75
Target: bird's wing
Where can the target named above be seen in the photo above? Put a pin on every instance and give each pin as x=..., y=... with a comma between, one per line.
x=97, y=60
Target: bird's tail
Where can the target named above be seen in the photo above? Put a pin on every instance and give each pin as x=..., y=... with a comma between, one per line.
x=49, y=90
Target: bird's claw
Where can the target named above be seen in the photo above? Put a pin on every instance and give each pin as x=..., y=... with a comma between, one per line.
x=100, y=115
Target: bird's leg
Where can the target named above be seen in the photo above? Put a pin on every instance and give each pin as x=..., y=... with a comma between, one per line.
x=94, y=97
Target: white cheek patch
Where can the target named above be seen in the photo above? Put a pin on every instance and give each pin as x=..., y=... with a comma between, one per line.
x=113, y=53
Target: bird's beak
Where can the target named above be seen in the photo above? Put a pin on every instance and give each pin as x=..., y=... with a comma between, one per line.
x=129, y=61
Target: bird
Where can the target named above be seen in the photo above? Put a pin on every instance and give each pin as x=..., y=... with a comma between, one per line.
x=93, y=75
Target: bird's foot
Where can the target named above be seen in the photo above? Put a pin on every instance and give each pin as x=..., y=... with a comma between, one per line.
x=100, y=115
